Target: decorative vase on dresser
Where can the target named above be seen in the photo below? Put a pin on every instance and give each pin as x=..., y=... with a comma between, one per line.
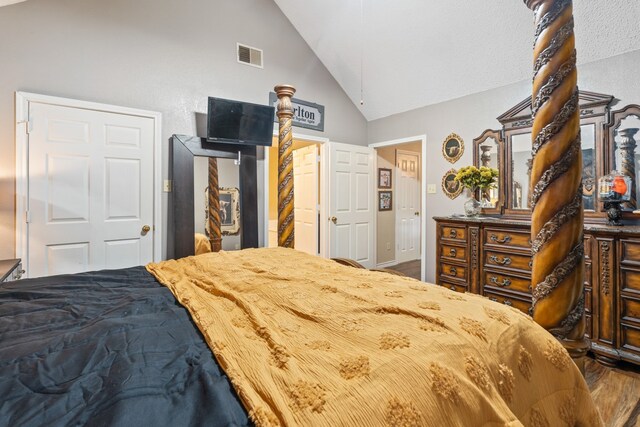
x=491, y=255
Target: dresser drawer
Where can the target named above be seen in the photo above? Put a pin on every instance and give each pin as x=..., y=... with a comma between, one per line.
x=630, y=280
x=507, y=238
x=453, y=286
x=453, y=252
x=507, y=260
x=630, y=252
x=630, y=338
x=521, y=305
x=630, y=310
x=504, y=281
x=452, y=232
x=453, y=271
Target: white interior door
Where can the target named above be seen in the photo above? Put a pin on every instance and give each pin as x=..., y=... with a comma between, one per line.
x=407, y=205
x=305, y=199
x=90, y=186
x=351, y=203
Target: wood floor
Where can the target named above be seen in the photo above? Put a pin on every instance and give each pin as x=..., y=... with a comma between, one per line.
x=616, y=392
x=410, y=268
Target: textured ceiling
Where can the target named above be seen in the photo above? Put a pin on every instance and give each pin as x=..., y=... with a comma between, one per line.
x=421, y=52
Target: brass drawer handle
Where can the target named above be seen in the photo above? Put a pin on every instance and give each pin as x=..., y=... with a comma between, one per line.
x=493, y=299
x=504, y=283
x=453, y=233
x=505, y=261
x=505, y=239
x=453, y=288
x=507, y=302
x=531, y=264
x=453, y=252
x=453, y=271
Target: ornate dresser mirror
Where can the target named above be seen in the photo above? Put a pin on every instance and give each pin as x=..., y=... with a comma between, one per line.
x=516, y=160
x=624, y=151
x=488, y=150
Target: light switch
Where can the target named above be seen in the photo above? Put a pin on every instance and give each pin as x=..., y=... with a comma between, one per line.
x=431, y=189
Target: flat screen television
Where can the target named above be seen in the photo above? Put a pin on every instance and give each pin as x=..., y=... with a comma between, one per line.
x=238, y=122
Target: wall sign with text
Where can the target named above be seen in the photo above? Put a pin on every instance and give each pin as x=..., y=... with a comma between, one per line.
x=305, y=114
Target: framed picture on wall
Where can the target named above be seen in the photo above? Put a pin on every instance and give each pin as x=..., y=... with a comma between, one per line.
x=452, y=147
x=384, y=178
x=384, y=201
x=450, y=187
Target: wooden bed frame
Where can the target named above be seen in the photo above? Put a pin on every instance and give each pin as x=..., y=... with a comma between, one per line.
x=556, y=178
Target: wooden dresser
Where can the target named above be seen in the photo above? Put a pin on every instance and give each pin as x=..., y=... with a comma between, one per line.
x=492, y=257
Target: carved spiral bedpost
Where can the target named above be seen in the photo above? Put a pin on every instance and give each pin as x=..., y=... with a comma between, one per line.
x=556, y=179
x=285, y=166
x=215, y=233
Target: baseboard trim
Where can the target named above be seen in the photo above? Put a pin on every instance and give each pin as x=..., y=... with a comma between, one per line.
x=386, y=264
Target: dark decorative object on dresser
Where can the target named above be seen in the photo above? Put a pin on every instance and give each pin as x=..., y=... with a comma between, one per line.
x=492, y=255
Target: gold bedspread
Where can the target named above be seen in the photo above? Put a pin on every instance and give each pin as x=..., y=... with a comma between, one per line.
x=308, y=342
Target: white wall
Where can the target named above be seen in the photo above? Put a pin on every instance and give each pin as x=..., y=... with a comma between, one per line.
x=161, y=55
x=471, y=115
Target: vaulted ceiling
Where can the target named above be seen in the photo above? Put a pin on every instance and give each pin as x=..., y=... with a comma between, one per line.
x=406, y=54
x=399, y=55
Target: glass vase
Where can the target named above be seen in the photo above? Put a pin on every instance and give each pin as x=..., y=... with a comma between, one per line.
x=472, y=206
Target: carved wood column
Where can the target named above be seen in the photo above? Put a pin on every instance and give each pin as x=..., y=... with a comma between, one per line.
x=556, y=179
x=215, y=230
x=285, y=166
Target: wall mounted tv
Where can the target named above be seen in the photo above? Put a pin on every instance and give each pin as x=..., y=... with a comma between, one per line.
x=238, y=122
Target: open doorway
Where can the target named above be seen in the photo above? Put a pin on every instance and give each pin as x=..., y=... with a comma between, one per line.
x=400, y=224
x=307, y=184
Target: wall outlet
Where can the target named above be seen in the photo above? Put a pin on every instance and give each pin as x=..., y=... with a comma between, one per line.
x=388, y=246
x=431, y=189
x=167, y=186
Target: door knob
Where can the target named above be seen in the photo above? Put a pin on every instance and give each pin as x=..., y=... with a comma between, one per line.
x=145, y=229
x=333, y=219
x=417, y=214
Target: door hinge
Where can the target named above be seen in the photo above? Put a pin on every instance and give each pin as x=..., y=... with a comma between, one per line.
x=27, y=217
x=29, y=126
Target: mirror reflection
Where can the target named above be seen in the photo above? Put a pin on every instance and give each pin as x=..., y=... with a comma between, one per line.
x=489, y=157
x=627, y=155
x=588, y=141
x=520, y=170
x=208, y=233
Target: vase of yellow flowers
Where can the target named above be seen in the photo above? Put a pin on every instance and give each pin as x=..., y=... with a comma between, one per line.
x=473, y=179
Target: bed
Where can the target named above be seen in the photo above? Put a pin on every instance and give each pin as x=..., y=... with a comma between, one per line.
x=302, y=340
x=277, y=337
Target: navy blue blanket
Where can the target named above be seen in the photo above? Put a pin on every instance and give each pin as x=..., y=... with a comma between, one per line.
x=108, y=348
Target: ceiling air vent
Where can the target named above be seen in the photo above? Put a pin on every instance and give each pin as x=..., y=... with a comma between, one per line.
x=249, y=55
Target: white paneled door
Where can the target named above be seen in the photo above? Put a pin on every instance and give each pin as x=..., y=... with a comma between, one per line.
x=305, y=199
x=351, y=203
x=90, y=186
x=407, y=205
